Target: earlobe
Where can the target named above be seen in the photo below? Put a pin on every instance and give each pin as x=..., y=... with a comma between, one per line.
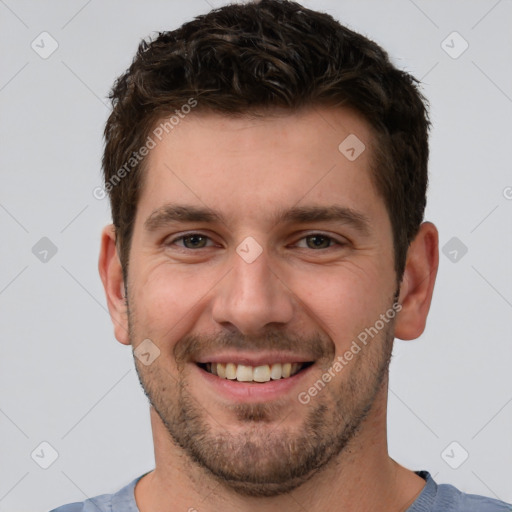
x=418, y=282
x=111, y=273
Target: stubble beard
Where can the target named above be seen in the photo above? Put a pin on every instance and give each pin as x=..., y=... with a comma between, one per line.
x=264, y=458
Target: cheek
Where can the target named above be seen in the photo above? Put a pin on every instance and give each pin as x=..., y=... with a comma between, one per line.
x=346, y=300
x=166, y=299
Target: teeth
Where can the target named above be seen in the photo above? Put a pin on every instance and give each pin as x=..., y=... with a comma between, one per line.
x=221, y=370
x=230, y=371
x=261, y=373
x=244, y=373
x=286, y=371
x=275, y=371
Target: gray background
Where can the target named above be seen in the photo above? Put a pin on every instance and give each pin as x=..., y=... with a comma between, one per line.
x=64, y=379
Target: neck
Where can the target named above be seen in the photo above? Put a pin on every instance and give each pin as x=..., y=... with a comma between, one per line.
x=362, y=477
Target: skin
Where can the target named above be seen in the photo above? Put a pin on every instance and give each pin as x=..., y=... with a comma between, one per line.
x=215, y=452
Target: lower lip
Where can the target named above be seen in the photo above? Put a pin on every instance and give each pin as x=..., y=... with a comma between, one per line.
x=237, y=391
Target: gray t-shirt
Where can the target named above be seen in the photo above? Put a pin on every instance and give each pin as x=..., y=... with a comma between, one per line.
x=433, y=498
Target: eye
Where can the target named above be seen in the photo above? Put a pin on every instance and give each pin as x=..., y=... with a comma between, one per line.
x=200, y=241
x=192, y=241
x=318, y=241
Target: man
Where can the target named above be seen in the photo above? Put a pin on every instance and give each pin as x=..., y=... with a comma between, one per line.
x=267, y=171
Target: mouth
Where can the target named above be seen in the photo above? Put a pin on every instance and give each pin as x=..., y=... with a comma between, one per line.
x=259, y=374
x=252, y=377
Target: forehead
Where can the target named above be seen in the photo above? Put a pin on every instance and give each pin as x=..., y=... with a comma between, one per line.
x=256, y=166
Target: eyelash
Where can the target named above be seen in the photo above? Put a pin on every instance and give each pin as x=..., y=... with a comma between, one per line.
x=331, y=239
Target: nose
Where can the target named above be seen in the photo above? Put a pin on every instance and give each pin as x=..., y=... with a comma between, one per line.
x=253, y=297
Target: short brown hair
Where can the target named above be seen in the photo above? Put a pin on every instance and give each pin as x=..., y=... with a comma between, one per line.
x=265, y=55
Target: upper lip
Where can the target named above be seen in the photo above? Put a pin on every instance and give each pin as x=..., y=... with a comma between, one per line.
x=252, y=359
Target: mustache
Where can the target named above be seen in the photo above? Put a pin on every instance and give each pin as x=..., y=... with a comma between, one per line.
x=193, y=346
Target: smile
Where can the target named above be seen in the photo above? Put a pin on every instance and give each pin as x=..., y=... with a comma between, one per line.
x=260, y=373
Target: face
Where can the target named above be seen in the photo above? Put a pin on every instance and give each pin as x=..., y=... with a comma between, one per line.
x=260, y=254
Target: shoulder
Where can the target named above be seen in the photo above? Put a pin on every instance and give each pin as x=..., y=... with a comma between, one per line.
x=446, y=498
x=462, y=502
x=121, y=501
x=101, y=503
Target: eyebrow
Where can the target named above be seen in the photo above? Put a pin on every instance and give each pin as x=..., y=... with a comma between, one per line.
x=170, y=213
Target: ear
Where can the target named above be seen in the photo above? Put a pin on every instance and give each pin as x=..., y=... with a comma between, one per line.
x=111, y=274
x=418, y=281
